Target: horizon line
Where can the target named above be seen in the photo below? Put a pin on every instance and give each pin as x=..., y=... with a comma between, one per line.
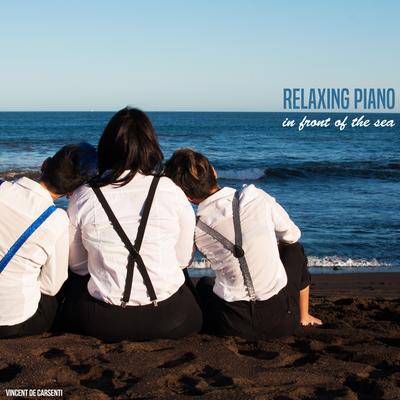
x=214, y=111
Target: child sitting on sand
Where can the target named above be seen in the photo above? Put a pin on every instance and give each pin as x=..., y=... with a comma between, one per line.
x=34, y=241
x=131, y=232
x=260, y=291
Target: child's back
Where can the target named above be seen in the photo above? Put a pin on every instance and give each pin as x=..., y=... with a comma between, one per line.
x=263, y=221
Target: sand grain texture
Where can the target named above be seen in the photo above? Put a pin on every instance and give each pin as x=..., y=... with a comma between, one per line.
x=355, y=355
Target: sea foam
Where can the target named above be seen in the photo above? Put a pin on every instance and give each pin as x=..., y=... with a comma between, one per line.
x=343, y=262
x=321, y=262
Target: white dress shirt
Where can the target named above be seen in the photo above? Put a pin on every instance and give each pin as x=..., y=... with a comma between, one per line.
x=41, y=264
x=167, y=244
x=263, y=222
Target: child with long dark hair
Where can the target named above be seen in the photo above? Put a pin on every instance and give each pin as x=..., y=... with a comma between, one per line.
x=132, y=232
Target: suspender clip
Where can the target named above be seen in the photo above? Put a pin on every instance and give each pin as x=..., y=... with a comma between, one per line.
x=123, y=304
x=155, y=304
x=238, y=251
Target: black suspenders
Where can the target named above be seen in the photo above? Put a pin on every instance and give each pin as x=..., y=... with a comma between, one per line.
x=134, y=256
x=235, y=248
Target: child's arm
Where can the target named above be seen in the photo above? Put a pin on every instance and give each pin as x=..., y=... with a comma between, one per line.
x=55, y=272
x=285, y=229
x=185, y=243
x=78, y=256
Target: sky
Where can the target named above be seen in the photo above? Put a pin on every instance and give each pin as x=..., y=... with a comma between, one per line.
x=171, y=55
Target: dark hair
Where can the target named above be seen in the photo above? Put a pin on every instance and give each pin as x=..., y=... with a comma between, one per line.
x=192, y=172
x=69, y=168
x=129, y=142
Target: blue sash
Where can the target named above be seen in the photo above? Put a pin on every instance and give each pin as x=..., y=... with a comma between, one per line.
x=24, y=237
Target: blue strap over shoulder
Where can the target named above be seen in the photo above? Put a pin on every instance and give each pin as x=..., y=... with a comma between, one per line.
x=24, y=237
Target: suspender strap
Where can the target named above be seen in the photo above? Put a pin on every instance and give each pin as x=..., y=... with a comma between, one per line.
x=235, y=248
x=146, y=211
x=134, y=256
x=238, y=244
x=216, y=235
x=24, y=237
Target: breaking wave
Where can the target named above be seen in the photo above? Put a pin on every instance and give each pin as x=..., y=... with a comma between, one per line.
x=9, y=175
x=322, y=262
x=345, y=262
x=358, y=169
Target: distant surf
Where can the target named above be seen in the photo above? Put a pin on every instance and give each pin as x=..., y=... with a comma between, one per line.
x=320, y=169
x=10, y=175
x=358, y=169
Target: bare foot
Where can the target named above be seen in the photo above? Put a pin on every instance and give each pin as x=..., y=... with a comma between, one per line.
x=310, y=320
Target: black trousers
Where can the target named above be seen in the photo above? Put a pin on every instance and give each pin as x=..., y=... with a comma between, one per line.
x=272, y=318
x=40, y=322
x=173, y=318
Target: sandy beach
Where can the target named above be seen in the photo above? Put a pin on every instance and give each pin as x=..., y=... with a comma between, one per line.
x=354, y=355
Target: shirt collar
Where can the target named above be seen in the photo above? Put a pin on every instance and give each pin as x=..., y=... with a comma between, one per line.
x=222, y=193
x=125, y=173
x=34, y=187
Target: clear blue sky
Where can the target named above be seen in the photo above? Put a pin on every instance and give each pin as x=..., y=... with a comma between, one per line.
x=191, y=55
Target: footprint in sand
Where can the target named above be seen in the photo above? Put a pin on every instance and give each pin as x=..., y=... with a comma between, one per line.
x=187, y=357
x=202, y=382
x=8, y=373
x=111, y=382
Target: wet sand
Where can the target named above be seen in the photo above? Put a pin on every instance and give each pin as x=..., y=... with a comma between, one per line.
x=354, y=355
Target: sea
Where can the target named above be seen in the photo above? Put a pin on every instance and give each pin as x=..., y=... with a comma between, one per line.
x=342, y=188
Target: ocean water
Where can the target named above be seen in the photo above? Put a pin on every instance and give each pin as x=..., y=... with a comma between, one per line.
x=341, y=188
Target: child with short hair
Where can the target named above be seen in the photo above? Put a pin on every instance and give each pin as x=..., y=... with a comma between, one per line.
x=34, y=239
x=260, y=291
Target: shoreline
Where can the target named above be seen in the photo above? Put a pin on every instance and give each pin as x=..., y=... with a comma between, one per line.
x=196, y=272
x=382, y=284
x=354, y=355
x=354, y=285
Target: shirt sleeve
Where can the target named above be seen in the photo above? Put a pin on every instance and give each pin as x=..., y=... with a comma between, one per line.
x=285, y=229
x=55, y=272
x=185, y=243
x=78, y=256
